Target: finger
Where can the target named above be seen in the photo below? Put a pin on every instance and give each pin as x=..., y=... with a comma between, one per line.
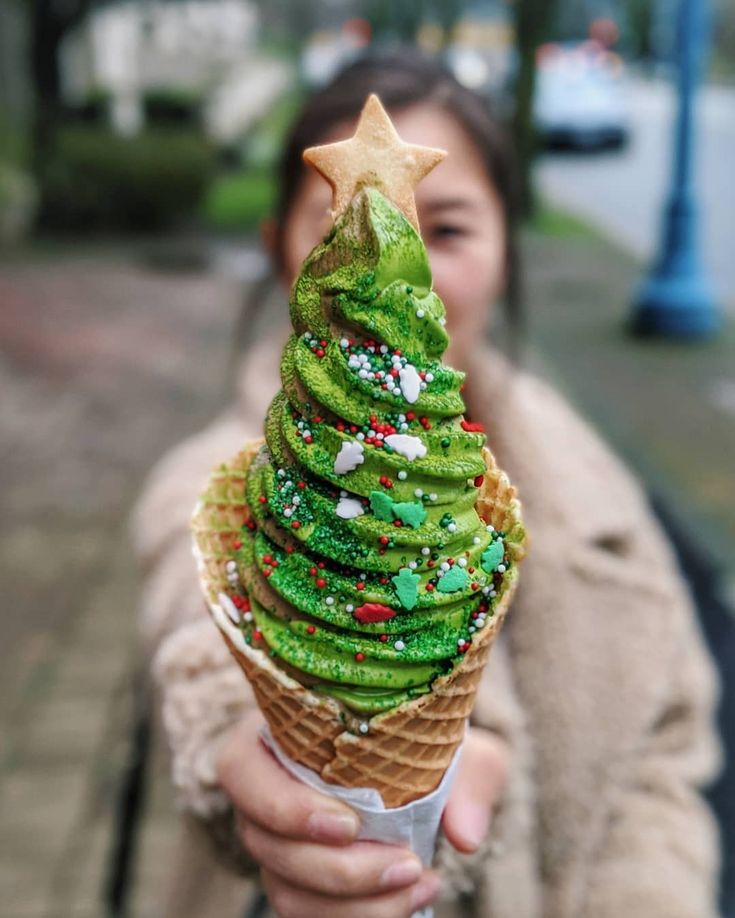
x=360, y=869
x=265, y=793
x=292, y=902
x=480, y=782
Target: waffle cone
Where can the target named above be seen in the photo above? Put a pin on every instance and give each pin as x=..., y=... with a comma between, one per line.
x=408, y=748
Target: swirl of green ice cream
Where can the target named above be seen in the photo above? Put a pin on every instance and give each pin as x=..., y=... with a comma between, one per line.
x=367, y=567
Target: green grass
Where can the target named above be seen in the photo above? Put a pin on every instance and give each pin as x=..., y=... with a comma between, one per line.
x=560, y=224
x=237, y=202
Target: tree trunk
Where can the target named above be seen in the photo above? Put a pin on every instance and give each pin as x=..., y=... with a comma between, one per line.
x=533, y=19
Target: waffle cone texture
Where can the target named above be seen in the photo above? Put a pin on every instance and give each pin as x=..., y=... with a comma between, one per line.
x=408, y=748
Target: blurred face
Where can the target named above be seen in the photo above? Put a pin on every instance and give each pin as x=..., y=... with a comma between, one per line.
x=460, y=216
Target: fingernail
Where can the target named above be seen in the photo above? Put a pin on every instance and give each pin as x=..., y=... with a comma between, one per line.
x=424, y=891
x=332, y=827
x=473, y=822
x=401, y=874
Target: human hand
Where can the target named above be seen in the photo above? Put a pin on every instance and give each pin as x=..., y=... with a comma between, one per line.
x=305, y=842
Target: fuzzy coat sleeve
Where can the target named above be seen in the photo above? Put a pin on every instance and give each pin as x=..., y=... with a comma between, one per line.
x=660, y=853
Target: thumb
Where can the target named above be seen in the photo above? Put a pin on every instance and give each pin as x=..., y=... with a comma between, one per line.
x=480, y=783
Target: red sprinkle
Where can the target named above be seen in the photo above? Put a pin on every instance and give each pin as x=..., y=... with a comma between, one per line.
x=237, y=544
x=383, y=638
x=321, y=583
x=312, y=572
x=472, y=426
x=371, y=612
x=301, y=484
x=310, y=629
x=360, y=586
x=359, y=657
x=296, y=525
x=257, y=634
x=261, y=499
x=479, y=480
x=384, y=540
x=429, y=587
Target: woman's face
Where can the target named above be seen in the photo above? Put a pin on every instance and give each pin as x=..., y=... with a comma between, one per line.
x=460, y=215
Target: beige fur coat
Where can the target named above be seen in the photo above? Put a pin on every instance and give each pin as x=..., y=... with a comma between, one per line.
x=600, y=681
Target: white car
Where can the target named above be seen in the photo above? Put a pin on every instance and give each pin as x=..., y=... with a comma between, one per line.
x=580, y=99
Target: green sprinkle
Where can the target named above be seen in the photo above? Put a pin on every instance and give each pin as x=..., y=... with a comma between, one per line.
x=407, y=588
x=382, y=506
x=411, y=514
x=456, y=578
x=492, y=556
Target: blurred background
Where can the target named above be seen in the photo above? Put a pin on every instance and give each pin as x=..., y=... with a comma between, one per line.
x=137, y=149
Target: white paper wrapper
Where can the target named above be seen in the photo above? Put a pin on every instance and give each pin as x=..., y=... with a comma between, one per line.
x=415, y=825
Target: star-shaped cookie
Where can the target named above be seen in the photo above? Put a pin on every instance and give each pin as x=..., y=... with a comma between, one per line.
x=377, y=157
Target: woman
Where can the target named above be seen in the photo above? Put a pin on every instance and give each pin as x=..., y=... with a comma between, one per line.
x=578, y=788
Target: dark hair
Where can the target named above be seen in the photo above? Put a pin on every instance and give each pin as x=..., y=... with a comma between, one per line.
x=402, y=79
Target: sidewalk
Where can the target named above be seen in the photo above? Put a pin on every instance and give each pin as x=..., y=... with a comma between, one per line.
x=103, y=364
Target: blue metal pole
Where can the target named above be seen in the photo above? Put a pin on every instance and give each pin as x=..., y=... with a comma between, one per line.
x=675, y=298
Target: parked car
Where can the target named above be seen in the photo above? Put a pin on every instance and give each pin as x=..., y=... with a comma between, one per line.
x=581, y=100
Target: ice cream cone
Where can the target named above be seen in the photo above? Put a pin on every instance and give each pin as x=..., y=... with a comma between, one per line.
x=407, y=749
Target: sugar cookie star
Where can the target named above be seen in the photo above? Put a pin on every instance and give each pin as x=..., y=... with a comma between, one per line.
x=374, y=156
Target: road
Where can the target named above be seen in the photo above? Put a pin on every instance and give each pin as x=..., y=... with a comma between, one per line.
x=623, y=192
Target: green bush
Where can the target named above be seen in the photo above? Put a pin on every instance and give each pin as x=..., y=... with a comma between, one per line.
x=94, y=179
x=237, y=202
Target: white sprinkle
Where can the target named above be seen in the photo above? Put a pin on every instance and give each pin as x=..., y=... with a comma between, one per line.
x=360, y=436
x=348, y=508
x=230, y=608
x=281, y=473
x=480, y=622
x=444, y=566
x=248, y=617
x=442, y=321
x=476, y=540
x=288, y=511
x=452, y=527
x=501, y=568
x=419, y=313
x=343, y=493
x=461, y=642
x=380, y=436
x=440, y=573
x=349, y=607
x=412, y=565
x=404, y=425
x=418, y=492
x=401, y=418
x=231, y=566
x=351, y=455
x=426, y=550
x=410, y=383
x=490, y=528
x=383, y=348
x=363, y=728
x=363, y=374
x=402, y=475
x=471, y=629
x=432, y=496
x=429, y=377
x=485, y=590
x=405, y=445
x=462, y=562
x=329, y=600
x=296, y=500
x=423, y=384
x=399, y=645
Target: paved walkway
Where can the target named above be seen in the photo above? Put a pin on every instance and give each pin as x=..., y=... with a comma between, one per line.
x=104, y=362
